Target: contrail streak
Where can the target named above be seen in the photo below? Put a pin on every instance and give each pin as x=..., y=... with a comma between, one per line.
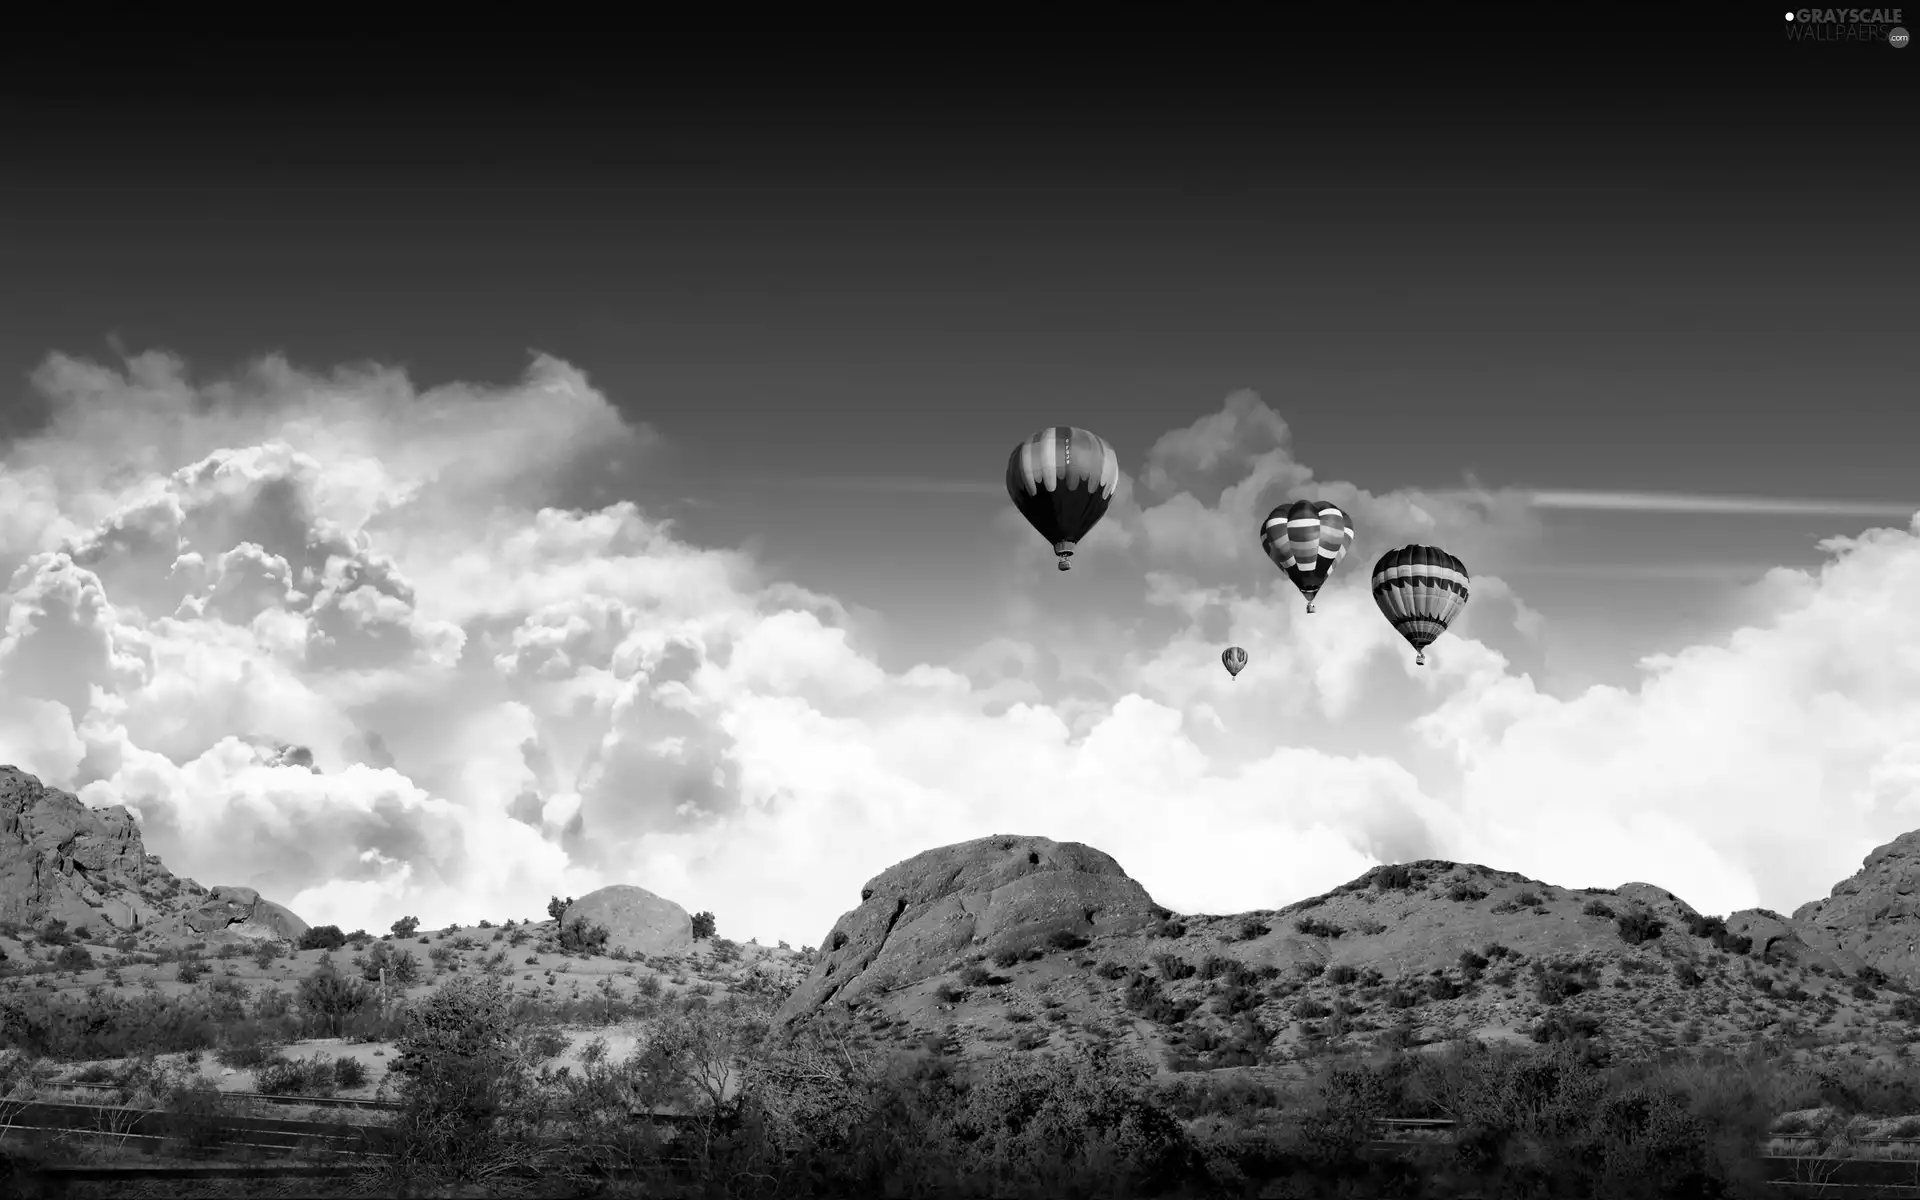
x=1690, y=502
x=902, y=483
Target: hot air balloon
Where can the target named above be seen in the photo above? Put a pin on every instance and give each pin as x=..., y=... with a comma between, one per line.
x=1420, y=589
x=1306, y=539
x=1235, y=660
x=1062, y=479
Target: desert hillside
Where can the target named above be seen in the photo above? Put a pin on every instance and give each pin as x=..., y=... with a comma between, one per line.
x=1034, y=964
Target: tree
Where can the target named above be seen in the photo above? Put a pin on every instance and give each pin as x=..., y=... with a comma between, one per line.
x=331, y=996
x=458, y=1074
x=322, y=937
x=401, y=966
x=556, y=907
x=702, y=925
x=405, y=926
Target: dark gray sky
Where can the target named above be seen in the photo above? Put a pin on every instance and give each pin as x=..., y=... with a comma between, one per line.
x=1677, y=265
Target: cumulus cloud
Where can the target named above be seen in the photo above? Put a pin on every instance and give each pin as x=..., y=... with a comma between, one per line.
x=367, y=649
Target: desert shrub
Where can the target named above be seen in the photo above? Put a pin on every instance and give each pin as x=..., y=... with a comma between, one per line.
x=190, y=969
x=1598, y=908
x=1308, y=1009
x=73, y=958
x=403, y=969
x=1553, y=984
x=725, y=950
x=1469, y=961
x=54, y=933
x=1463, y=892
x=1106, y=970
x=1066, y=939
x=349, y=1072
x=405, y=927
x=265, y=953
x=1314, y=927
x=1143, y=997
x=1392, y=878
x=946, y=993
x=703, y=926
x=556, y=907
x=1688, y=976
x=457, y=1074
x=1565, y=1026
x=1168, y=928
x=1342, y=974
x=1638, y=925
x=1905, y=1008
x=322, y=937
x=329, y=998
x=315, y=1076
x=1526, y=899
x=1440, y=987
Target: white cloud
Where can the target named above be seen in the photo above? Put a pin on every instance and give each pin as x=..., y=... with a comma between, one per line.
x=509, y=697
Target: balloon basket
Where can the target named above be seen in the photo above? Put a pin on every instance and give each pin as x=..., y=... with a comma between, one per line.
x=1420, y=660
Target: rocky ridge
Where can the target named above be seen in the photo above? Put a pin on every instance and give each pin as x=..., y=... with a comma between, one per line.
x=61, y=860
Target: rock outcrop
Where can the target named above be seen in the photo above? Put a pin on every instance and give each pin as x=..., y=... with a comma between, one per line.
x=240, y=912
x=635, y=919
x=1873, y=914
x=981, y=897
x=61, y=860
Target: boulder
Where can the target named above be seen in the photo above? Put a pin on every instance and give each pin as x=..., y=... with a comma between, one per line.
x=635, y=919
x=978, y=897
x=240, y=912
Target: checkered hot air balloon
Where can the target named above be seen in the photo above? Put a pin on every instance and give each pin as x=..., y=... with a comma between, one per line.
x=1420, y=589
x=1234, y=659
x=1307, y=539
x=1062, y=479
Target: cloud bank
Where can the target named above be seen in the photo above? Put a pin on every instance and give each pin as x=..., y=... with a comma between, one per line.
x=503, y=693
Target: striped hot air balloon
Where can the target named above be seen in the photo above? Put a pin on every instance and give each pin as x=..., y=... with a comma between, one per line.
x=1307, y=539
x=1234, y=659
x=1062, y=479
x=1420, y=589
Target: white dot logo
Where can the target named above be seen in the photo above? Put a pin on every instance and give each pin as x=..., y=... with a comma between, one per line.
x=1897, y=39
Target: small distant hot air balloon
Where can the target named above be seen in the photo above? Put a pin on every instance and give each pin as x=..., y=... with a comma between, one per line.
x=1307, y=539
x=1420, y=589
x=1235, y=660
x=1062, y=479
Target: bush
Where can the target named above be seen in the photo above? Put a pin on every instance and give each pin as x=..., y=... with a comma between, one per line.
x=578, y=937
x=265, y=953
x=1526, y=899
x=322, y=937
x=190, y=969
x=1598, y=908
x=403, y=969
x=1462, y=892
x=405, y=927
x=1638, y=925
x=703, y=926
x=329, y=997
x=1065, y=939
x=316, y=1076
x=74, y=958
x=1313, y=927
x=557, y=908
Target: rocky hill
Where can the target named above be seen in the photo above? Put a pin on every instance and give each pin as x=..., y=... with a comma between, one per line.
x=1032, y=942
x=61, y=860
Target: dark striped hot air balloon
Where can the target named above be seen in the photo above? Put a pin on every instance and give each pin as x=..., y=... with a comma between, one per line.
x=1234, y=659
x=1307, y=539
x=1420, y=589
x=1062, y=479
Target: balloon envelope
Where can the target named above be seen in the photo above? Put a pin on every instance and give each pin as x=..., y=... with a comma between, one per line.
x=1420, y=589
x=1307, y=539
x=1062, y=479
x=1235, y=660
